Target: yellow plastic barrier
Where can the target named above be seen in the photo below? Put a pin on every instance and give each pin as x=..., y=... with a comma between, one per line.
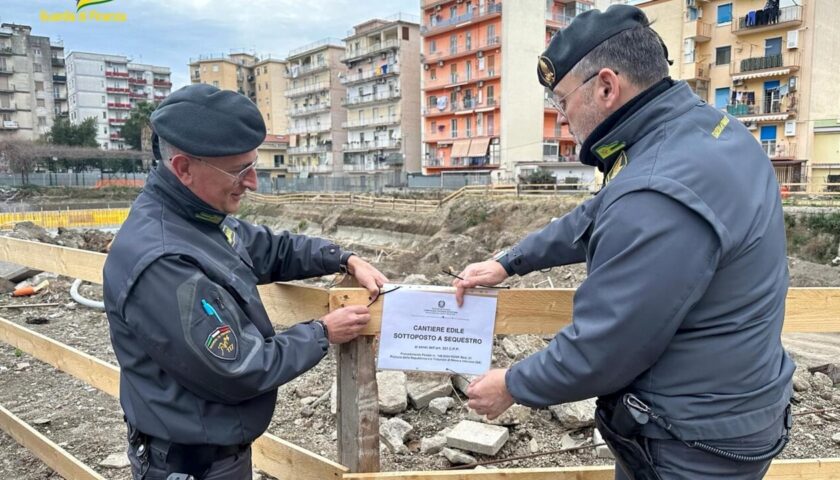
x=51, y=220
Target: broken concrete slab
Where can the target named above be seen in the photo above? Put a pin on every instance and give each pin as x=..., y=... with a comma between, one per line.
x=393, y=396
x=603, y=451
x=432, y=445
x=425, y=387
x=456, y=457
x=116, y=460
x=16, y=273
x=463, y=382
x=515, y=415
x=477, y=437
x=393, y=433
x=576, y=414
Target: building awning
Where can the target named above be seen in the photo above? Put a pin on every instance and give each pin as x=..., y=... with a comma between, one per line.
x=460, y=148
x=761, y=74
x=478, y=147
x=765, y=118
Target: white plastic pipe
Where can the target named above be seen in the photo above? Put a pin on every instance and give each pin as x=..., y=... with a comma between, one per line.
x=74, y=292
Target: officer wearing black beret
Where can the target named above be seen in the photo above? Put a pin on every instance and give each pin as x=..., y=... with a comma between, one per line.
x=200, y=360
x=676, y=328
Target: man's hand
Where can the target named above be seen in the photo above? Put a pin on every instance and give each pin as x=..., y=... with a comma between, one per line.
x=489, y=395
x=366, y=274
x=345, y=323
x=487, y=273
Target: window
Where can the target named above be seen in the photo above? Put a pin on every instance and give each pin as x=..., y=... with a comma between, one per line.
x=405, y=33
x=216, y=83
x=453, y=44
x=433, y=74
x=468, y=41
x=772, y=46
x=723, y=55
x=721, y=97
x=104, y=116
x=491, y=33
x=433, y=46
x=41, y=102
x=39, y=86
x=432, y=101
x=724, y=14
x=453, y=11
x=454, y=128
x=453, y=72
x=265, y=69
x=469, y=70
x=103, y=100
x=279, y=160
x=42, y=121
x=469, y=126
x=37, y=51
x=215, y=68
x=36, y=67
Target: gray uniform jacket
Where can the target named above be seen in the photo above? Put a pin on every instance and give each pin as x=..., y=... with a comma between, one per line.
x=200, y=361
x=687, y=277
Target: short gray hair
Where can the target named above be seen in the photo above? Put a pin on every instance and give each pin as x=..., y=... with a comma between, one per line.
x=636, y=53
x=167, y=150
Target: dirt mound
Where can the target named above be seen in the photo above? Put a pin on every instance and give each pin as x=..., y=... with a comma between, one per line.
x=88, y=239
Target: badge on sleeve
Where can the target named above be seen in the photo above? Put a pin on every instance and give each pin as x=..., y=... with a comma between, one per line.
x=222, y=343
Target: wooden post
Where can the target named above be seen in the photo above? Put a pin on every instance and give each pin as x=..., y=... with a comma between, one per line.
x=358, y=401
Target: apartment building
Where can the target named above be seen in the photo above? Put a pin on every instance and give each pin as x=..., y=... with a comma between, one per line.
x=106, y=87
x=774, y=69
x=316, y=117
x=33, y=83
x=270, y=79
x=382, y=57
x=484, y=110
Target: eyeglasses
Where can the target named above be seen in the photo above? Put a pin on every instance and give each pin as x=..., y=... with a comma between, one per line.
x=237, y=177
x=560, y=104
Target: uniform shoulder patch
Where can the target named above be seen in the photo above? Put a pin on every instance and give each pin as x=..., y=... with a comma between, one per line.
x=230, y=235
x=222, y=343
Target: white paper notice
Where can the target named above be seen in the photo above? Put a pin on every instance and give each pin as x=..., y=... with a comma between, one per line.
x=423, y=329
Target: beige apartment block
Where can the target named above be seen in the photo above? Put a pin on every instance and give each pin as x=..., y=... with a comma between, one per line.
x=33, y=83
x=383, y=96
x=270, y=80
x=316, y=116
x=234, y=71
x=775, y=71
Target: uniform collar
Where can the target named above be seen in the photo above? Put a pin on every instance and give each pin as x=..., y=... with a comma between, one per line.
x=163, y=183
x=638, y=117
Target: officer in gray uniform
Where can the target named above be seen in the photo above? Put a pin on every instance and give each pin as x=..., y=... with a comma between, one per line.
x=677, y=326
x=200, y=361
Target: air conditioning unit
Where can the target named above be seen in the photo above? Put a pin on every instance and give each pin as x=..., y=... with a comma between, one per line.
x=792, y=84
x=737, y=83
x=384, y=56
x=793, y=39
x=437, y=8
x=480, y=83
x=790, y=128
x=458, y=88
x=751, y=126
x=479, y=54
x=440, y=63
x=426, y=66
x=690, y=3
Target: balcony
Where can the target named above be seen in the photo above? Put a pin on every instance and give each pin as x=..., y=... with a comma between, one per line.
x=310, y=168
x=379, y=121
x=371, y=98
x=7, y=51
x=138, y=95
x=316, y=87
x=60, y=96
x=770, y=110
x=353, y=55
x=11, y=107
x=115, y=74
x=456, y=80
x=442, y=26
x=765, y=67
x=137, y=81
x=9, y=88
x=385, y=144
x=695, y=71
x=700, y=31
x=295, y=71
x=9, y=125
x=754, y=22
x=380, y=72
x=117, y=121
x=308, y=149
x=120, y=106
x=160, y=98
x=57, y=62
x=440, y=56
x=463, y=107
x=312, y=128
x=6, y=70
x=117, y=137
x=308, y=110
x=558, y=20
x=117, y=90
x=162, y=83
x=366, y=167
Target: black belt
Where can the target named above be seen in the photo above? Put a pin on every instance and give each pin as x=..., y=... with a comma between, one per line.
x=181, y=458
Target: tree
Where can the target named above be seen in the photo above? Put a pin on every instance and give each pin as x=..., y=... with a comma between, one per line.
x=65, y=133
x=21, y=157
x=132, y=129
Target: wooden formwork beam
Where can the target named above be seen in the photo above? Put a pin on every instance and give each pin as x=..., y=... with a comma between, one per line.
x=42, y=447
x=271, y=454
x=546, y=311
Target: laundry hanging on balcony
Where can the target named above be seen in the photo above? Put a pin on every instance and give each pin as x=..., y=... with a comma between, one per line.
x=441, y=103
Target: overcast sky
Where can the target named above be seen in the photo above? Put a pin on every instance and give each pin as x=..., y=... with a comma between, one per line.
x=169, y=32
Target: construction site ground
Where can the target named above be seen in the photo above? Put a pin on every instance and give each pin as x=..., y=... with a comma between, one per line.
x=411, y=247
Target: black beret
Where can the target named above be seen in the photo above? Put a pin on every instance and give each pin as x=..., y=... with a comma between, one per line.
x=587, y=31
x=207, y=122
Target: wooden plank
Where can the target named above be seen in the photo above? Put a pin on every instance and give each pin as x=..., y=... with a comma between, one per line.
x=288, y=304
x=52, y=258
x=42, y=447
x=358, y=404
x=279, y=458
x=546, y=311
x=282, y=459
x=89, y=369
x=810, y=469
